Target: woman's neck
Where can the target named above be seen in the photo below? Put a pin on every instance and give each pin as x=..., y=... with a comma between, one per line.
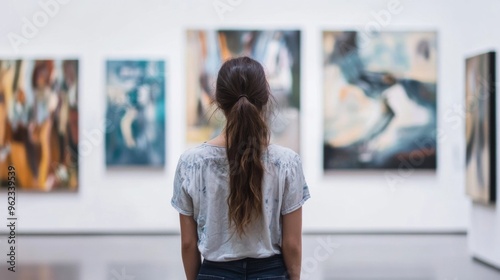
x=220, y=140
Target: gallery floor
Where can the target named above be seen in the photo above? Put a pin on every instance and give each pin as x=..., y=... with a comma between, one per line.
x=350, y=257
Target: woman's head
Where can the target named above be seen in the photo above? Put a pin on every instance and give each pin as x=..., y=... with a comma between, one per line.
x=242, y=93
x=238, y=78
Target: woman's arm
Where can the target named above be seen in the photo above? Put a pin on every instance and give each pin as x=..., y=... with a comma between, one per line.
x=189, y=239
x=292, y=243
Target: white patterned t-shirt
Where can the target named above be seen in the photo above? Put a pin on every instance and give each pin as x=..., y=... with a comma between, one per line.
x=201, y=188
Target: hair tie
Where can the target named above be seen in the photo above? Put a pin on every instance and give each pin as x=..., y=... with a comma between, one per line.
x=243, y=95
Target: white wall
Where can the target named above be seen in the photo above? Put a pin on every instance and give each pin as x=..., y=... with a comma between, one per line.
x=139, y=200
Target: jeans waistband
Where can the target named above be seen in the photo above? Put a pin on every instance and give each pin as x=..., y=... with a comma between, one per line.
x=248, y=262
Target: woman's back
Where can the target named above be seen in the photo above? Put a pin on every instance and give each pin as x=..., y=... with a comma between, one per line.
x=240, y=198
x=201, y=189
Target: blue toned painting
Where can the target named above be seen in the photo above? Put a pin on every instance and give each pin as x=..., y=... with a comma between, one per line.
x=135, y=115
x=379, y=100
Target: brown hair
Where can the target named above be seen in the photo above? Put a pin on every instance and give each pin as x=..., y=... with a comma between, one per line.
x=242, y=93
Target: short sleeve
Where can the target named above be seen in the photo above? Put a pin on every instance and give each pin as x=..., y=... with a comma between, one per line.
x=296, y=191
x=181, y=199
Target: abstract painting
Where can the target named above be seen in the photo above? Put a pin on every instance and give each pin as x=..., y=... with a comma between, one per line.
x=135, y=130
x=279, y=53
x=379, y=109
x=39, y=124
x=480, y=127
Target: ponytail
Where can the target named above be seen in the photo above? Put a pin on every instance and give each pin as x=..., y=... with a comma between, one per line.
x=242, y=92
x=246, y=137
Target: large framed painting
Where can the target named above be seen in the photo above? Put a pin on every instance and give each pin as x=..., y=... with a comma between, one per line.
x=379, y=109
x=39, y=124
x=135, y=131
x=480, y=127
x=279, y=53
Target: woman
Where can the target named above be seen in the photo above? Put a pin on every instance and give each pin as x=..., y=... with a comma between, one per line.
x=240, y=198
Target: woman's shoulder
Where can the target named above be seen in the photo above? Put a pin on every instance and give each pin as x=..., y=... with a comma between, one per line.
x=201, y=152
x=275, y=153
x=283, y=154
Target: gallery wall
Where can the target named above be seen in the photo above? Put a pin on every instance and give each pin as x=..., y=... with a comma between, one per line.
x=138, y=199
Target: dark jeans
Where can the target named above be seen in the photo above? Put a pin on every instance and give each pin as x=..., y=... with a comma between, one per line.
x=271, y=268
